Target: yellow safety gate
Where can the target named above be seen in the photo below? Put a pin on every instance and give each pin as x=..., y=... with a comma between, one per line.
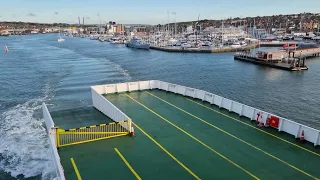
x=91, y=133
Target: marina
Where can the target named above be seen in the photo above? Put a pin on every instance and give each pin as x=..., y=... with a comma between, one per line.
x=161, y=118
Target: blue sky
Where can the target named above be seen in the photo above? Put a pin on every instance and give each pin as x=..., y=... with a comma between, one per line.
x=146, y=11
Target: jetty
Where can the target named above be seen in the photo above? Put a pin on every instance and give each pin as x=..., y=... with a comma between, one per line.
x=277, y=43
x=264, y=58
x=203, y=50
x=290, y=58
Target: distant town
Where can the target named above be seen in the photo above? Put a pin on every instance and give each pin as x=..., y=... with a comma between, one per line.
x=303, y=22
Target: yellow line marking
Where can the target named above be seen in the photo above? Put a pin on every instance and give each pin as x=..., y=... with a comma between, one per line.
x=222, y=156
x=255, y=128
x=129, y=166
x=76, y=169
x=243, y=141
x=167, y=152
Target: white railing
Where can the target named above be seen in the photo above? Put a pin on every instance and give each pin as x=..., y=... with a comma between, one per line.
x=52, y=142
x=47, y=118
x=107, y=108
x=312, y=135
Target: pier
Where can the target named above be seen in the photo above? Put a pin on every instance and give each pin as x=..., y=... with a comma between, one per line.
x=290, y=59
x=200, y=50
x=277, y=43
x=279, y=65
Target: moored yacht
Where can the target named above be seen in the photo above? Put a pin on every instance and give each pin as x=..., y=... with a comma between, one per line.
x=137, y=43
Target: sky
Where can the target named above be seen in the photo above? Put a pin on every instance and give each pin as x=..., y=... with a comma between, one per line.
x=146, y=11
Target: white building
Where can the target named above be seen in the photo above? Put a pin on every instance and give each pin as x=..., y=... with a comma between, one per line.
x=110, y=29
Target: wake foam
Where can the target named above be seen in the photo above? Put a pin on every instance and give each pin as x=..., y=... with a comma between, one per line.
x=24, y=148
x=119, y=68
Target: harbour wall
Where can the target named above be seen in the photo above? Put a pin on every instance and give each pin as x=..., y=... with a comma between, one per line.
x=285, y=125
x=195, y=50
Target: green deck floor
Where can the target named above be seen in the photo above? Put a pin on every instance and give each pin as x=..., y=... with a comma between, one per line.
x=211, y=145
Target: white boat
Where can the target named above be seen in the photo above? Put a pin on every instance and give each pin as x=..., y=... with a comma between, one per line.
x=172, y=42
x=236, y=45
x=116, y=40
x=60, y=39
x=316, y=38
x=185, y=45
x=243, y=43
x=137, y=44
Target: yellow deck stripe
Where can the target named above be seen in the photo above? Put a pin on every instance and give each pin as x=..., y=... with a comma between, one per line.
x=129, y=166
x=196, y=117
x=222, y=156
x=76, y=169
x=166, y=151
x=275, y=136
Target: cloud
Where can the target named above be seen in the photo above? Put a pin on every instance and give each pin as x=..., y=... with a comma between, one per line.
x=14, y=15
x=56, y=13
x=31, y=14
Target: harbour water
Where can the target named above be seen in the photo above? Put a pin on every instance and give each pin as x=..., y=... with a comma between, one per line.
x=39, y=69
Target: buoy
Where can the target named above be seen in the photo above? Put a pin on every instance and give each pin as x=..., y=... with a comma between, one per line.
x=6, y=48
x=302, y=136
x=267, y=123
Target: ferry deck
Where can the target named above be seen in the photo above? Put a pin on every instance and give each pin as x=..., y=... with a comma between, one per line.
x=178, y=137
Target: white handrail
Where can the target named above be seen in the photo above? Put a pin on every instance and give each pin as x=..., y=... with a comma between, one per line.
x=52, y=143
x=288, y=126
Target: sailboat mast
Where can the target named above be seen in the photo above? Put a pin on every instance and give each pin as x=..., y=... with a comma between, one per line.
x=168, y=21
x=99, y=23
x=222, y=34
x=254, y=27
x=197, y=30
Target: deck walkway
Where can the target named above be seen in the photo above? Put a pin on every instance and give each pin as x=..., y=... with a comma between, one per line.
x=182, y=138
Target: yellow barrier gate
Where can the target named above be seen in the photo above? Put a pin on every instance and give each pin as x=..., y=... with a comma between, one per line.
x=91, y=133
